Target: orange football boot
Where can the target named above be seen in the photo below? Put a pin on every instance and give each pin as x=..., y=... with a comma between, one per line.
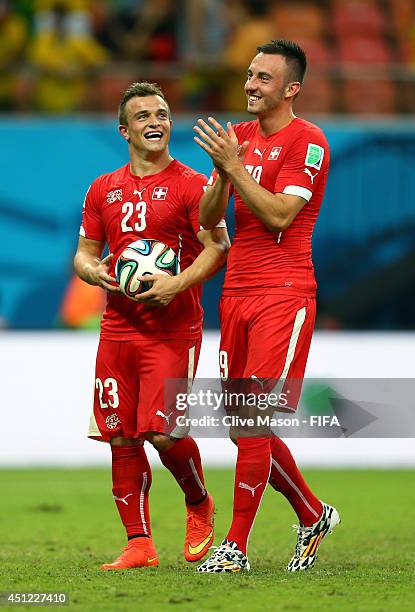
x=199, y=529
x=139, y=552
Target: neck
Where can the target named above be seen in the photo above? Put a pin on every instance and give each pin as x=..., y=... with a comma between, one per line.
x=143, y=164
x=273, y=122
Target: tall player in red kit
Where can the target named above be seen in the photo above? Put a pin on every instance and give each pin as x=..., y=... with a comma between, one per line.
x=145, y=342
x=267, y=308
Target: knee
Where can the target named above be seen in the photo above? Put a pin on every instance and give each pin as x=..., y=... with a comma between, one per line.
x=161, y=442
x=233, y=437
x=120, y=441
x=234, y=434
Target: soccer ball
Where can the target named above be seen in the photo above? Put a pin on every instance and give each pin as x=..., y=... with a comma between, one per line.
x=140, y=258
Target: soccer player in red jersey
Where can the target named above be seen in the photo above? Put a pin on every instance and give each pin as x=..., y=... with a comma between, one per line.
x=267, y=308
x=157, y=337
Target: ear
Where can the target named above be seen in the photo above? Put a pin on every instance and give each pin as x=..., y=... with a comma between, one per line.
x=123, y=130
x=292, y=89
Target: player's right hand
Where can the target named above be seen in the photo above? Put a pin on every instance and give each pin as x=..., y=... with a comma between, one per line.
x=220, y=144
x=103, y=278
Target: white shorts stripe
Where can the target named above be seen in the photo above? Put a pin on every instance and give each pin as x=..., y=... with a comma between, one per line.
x=93, y=427
x=183, y=430
x=191, y=368
x=298, y=323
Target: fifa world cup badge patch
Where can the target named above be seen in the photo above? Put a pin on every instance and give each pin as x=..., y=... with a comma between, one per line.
x=314, y=156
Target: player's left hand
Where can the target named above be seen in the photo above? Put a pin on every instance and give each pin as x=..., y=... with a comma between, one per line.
x=222, y=145
x=164, y=290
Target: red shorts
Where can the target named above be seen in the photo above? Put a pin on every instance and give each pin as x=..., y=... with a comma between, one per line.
x=267, y=337
x=129, y=397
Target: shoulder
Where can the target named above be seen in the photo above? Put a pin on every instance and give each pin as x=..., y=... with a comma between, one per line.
x=186, y=173
x=109, y=181
x=111, y=177
x=189, y=184
x=305, y=130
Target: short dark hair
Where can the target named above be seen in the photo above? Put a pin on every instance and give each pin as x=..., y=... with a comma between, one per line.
x=139, y=90
x=295, y=56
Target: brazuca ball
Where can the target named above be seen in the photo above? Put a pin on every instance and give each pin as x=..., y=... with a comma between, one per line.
x=140, y=258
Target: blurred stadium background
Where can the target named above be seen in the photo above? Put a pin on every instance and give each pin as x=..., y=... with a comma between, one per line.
x=63, y=64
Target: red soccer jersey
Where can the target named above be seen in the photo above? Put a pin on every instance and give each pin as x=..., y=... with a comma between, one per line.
x=294, y=161
x=121, y=208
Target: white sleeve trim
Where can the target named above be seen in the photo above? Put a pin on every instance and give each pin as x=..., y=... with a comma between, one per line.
x=298, y=191
x=222, y=223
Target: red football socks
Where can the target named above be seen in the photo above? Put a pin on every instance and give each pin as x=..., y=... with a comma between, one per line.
x=131, y=479
x=183, y=461
x=286, y=478
x=251, y=478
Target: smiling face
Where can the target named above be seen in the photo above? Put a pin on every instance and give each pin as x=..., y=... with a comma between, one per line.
x=267, y=85
x=148, y=124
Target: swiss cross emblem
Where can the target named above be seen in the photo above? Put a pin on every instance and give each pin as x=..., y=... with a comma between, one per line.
x=112, y=196
x=274, y=153
x=159, y=193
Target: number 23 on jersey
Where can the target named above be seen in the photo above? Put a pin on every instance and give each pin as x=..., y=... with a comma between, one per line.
x=136, y=223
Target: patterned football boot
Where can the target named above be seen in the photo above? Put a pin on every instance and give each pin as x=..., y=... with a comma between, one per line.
x=310, y=538
x=226, y=558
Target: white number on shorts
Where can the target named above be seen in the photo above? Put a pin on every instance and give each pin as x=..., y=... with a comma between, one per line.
x=223, y=365
x=111, y=386
x=128, y=209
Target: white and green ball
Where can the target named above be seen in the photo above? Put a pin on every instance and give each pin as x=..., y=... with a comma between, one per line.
x=141, y=258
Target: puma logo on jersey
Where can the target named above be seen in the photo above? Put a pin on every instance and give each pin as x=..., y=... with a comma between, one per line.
x=310, y=174
x=260, y=153
x=123, y=500
x=139, y=192
x=260, y=381
x=243, y=485
x=165, y=416
x=114, y=195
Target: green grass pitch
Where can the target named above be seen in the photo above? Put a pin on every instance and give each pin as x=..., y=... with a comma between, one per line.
x=58, y=526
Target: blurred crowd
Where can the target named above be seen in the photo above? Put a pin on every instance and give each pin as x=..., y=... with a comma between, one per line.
x=63, y=56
